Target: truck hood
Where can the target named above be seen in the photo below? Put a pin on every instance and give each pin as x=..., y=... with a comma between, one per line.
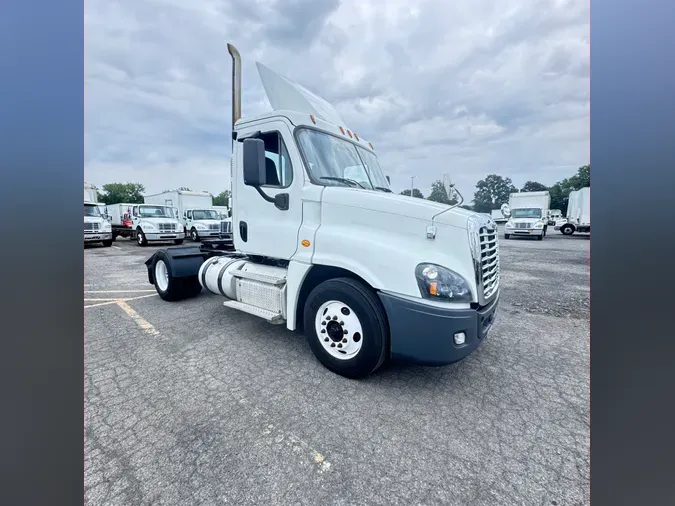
x=397, y=205
x=207, y=222
x=93, y=219
x=525, y=220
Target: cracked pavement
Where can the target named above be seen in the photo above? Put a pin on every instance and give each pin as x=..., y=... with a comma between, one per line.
x=219, y=407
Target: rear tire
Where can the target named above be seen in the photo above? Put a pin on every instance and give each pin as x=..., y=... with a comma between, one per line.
x=359, y=308
x=169, y=288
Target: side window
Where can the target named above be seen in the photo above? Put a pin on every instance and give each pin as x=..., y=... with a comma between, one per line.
x=277, y=161
x=189, y=215
x=134, y=211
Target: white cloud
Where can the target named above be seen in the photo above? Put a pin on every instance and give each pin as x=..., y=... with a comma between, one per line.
x=467, y=88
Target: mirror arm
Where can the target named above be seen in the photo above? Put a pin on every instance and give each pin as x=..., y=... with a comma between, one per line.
x=264, y=195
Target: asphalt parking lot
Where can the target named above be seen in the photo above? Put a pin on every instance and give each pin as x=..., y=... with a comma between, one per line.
x=192, y=403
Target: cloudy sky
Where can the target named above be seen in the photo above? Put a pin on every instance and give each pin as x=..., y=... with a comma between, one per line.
x=467, y=88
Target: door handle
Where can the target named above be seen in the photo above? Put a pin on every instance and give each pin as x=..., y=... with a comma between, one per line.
x=243, y=230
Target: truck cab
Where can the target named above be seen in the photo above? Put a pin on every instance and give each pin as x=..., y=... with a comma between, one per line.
x=151, y=222
x=201, y=223
x=322, y=244
x=97, y=228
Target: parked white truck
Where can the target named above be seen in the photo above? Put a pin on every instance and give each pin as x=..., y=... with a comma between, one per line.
x=367, y=274
x=96, y=226
x=527, y=214
x=578, y=213
x=497, y=216
x=146, y=223
x=195, y=211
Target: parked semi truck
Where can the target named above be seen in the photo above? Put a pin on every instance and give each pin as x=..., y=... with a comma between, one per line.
x=146, y=223
x=366, y=274
x=578, y=213
x=527, y=214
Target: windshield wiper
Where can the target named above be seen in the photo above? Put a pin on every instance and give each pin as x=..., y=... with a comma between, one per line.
x=344, y=180
x=387, y=190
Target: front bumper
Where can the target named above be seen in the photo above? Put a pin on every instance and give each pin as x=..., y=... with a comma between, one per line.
x=208, y=233
x=98, y=237
x=532, y=232
x=423, y=334
x=163, y=236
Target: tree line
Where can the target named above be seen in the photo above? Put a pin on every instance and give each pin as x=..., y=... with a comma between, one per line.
x=494, y=190
x=491, y=192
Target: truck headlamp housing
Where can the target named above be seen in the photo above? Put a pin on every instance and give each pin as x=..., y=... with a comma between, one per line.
x=509, y=224
x=200, y=226
x=438, y=283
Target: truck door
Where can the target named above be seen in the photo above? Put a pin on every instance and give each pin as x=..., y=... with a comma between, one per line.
x=259, y=227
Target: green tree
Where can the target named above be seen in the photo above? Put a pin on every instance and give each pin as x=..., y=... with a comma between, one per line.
x=440, y=194
x=415, y=193
x=561, y=190
x=222, y=199
x=115, y=193
x=492, y=192
x=534, y=186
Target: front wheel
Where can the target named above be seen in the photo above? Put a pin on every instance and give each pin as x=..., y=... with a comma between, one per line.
x=140, y=238
x=567, y=229
x=194, y=235
x=346, y=327
x=107, y=244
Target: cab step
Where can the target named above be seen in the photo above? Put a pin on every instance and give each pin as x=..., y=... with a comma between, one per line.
x=265, y=314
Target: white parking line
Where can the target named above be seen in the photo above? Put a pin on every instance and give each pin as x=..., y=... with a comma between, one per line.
x=118, y=291
x=117, y=247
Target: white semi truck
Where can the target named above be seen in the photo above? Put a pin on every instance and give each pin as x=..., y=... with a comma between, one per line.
x=146, y=223
x=195, y=211
x=578, y=213
x=527, y=214
x=367, y=274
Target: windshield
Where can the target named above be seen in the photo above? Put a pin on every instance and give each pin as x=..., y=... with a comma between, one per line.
x=92, y=210
x=526, y=213
x=205, y=214
x=338, y=162
x=155, y=212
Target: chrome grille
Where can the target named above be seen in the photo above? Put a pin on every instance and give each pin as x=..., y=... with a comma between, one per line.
x=225, y=227
x=489, y=260
x=166, y=227
x=524, y=225
x=91, y=227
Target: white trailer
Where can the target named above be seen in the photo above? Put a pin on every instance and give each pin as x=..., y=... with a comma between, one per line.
x=194, y=211
x=90, y=193
x=578, y=213
x=368, y=275
x=528, y=214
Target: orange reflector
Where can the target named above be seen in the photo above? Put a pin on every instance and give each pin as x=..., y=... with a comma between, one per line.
x=371, y=146
x=350, y=134
x=433, y=288
x=357, y=137
x=342, y=130
x=311, y=116
x=305, y=243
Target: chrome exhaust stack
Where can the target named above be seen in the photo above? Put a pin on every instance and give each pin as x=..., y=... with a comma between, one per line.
x=236, y=83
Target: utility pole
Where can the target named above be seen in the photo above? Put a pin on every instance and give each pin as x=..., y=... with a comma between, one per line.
x=412, y=185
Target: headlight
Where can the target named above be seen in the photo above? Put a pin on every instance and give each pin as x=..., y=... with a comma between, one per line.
x=199, y=226
x=149, y=225
x=436, y=282
x=539, y=225
x=509, y=224
x=107, y=227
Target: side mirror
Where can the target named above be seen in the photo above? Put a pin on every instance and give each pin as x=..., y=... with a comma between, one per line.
x=506, y=211
x=254, y=162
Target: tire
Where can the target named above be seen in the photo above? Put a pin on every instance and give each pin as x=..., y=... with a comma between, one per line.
x=567, y=229
x=359, y=308
x=540, y=237
x=140, y=237
x=169, y=288
x=507, y=236
x=194, y=236
x=178, y=241
x=107, y=244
